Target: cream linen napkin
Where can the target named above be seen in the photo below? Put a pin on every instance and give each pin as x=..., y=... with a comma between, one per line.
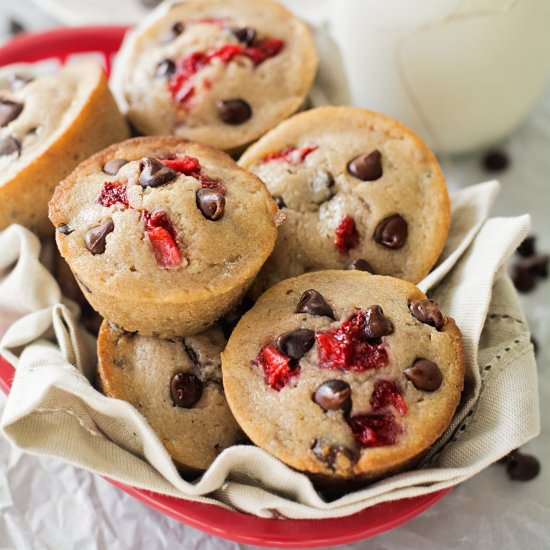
x=53, y=410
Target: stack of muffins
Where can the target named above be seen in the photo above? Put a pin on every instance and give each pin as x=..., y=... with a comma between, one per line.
x=341, y=367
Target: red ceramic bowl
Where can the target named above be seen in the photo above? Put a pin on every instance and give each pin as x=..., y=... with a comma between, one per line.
x=105, y=41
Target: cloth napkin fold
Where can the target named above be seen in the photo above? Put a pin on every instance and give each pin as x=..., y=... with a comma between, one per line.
x=54, y=410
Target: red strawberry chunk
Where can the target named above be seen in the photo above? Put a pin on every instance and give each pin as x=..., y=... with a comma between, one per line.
x=162, y=237
x=190, y=166
x=113, y=192
x=387, y=394
x=375, y=430
x=166, y=251
x=276, y=367
x=180, y=85
x=347, y=236
x=292, y=155
x=345, y=347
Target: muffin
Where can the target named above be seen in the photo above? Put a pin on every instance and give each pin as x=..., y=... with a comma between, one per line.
x=163, y=236
x=47, y=126
x=219, y=72
x=359, y=190
x=176, y=385
x=344, y=375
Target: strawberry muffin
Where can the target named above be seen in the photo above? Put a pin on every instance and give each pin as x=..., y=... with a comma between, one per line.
x=360, y=191
x=163, y=236
x=48, y=125
x=220, y=72
x=344, y=375
x=176, y=385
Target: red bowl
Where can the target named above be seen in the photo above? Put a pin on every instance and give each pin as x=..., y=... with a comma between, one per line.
x=105, y=41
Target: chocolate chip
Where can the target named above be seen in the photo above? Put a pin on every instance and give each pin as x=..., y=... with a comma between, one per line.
x=537, y=265
x=18, y=81
x=185, y=389
x=211, y=203
x=427, y=311
x=376, y=323
x=192, y=354
x=173, y=32
x=361, y=265
x=9, y=110
x=96, y=238
x=246, y=35
x=296, y=343
x=522, y=467
x=165, y=68
x=506, y=458
x=424, y=374
x=112, y=166
x=279, y=201
x=154, y=173
x=367, y=167
x=496, y=161
x=333, y=395
x=526, y=271
x=234, y=111
x=523, y=280
x=9, y=145
x=335, y=456
x=313, y=303
x=64, y=229
x=527, y=247
x=391, y=232
x=16, y=27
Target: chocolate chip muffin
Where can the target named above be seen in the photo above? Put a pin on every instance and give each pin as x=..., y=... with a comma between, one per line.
x=343, y=374
x=47, y=126
x=163, y=235
x=220, y=72
x=176, y=385
x=360, y=191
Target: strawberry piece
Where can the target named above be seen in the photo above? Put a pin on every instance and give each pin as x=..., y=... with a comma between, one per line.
x=347, y=236
x=292, y=155
x=276, y=367
x=162, y=237
x=264, y=50
x=179, y=84
x=387, y=394
x=113, y=192
x=166, y=251
x=375, y=430
x=346, y=348
x=190, y=166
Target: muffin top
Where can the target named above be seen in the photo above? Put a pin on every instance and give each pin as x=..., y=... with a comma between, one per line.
x=176, y=385
x=359, y=190
x=163, y=217
x=220, y=72
x=344, y=374
x=34, y=111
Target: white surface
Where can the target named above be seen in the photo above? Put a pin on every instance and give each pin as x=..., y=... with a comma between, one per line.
x=45, y=504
